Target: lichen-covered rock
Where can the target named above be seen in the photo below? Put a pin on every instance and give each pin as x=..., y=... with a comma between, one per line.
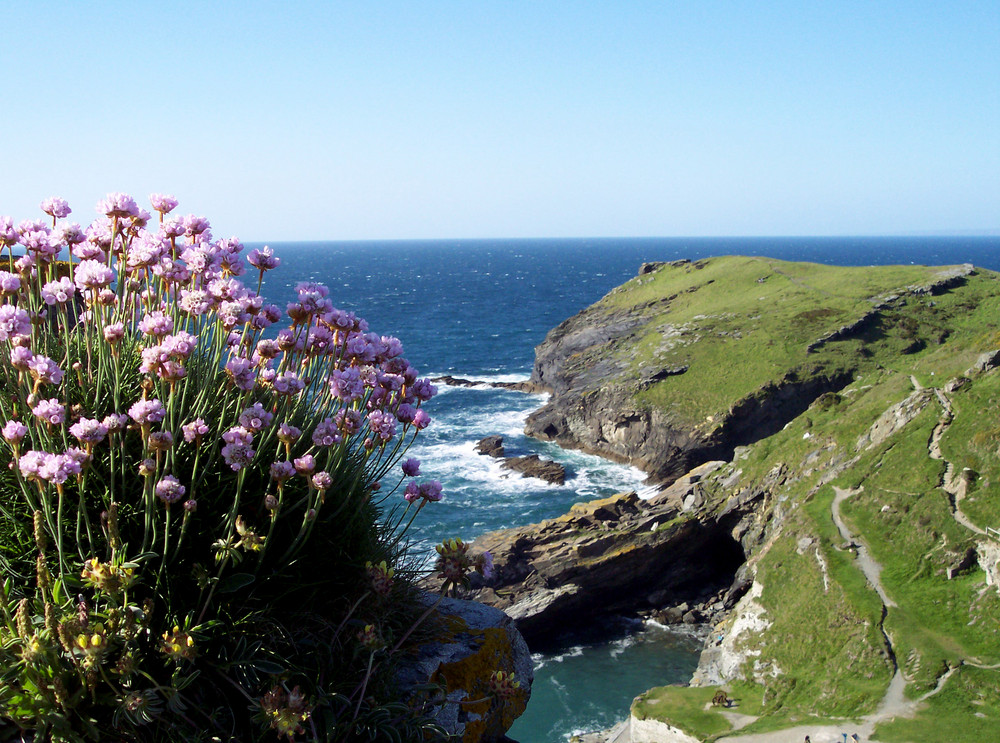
x=471, y=642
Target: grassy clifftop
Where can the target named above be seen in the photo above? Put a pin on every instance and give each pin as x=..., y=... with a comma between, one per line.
x=874, y=599
x=691, y=359
x=745, y=322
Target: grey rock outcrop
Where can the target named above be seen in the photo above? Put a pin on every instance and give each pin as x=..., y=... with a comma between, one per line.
x=617, y=555
x=470, y=642
x=531, y=465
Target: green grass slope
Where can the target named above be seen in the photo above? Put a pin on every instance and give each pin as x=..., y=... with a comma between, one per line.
x=822, y=649
x=746, y=322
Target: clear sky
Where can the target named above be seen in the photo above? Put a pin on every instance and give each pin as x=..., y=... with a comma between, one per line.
x=290, y=120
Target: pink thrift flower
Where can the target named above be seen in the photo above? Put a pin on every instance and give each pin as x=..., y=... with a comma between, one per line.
x=45, y=370
x=56, y=207
x=145, y=412
x=118, y=205
x=421, y=420
x=10, y=283
x=91, y=274
x=115, y=422
x=288, y=383
x=173, y=228
x=147, y=251
x=68, y=234
x=484, y=564
x=30, y=463
x=281, y=471
x=424, y=390
x=305, y=465
x=89, y=431
x=169, y=489
x=14, y=431
x=411, y=467
x=161, y=440
x=430, y=490
x=196, y=301
x=194, y=430
x=382, y=424
x=322, y=481
x=114, y=332
x=179, y=345
x=326, y=434
x=51, y=411
x=59, y=291
x=255, y=417
x=14, y=323
x=288, y=434
x=346, y=385
x=263, y=259
x=195, y=225
x=162, y=203
x=241, y=370
x=237, y=455
x=20, y=357
x=156, y=324
x=348, y=420
x=8, y=234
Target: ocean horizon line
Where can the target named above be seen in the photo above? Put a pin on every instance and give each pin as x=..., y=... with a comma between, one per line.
x=962, y=234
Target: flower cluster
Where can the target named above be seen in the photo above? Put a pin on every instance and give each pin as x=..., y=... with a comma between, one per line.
x=285, y=711
x=157, y=410
x=455, y=563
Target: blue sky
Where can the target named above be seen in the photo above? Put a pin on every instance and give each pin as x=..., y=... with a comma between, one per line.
x=293, y=120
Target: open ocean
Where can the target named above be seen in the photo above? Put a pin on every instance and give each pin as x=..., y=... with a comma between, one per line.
x=476, y=309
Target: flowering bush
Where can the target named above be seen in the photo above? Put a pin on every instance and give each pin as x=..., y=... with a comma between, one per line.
x=194, y=516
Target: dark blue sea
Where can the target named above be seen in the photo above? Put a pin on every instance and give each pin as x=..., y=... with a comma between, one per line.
x=476, y=309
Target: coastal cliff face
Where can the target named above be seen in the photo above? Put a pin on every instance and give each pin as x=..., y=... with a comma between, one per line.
x=690, y=360
x=827, y=448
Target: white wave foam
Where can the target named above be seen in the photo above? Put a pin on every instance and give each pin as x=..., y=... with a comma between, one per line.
x=622, y=644
x=574, y=652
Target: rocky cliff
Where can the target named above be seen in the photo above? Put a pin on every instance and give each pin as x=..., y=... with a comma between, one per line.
x=620, y=370
x=827, y=443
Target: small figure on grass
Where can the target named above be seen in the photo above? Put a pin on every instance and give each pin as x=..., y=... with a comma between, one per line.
x=721, y=699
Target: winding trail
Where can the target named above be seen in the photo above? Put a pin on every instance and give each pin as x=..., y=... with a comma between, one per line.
x=894, y=703
x=955, y=487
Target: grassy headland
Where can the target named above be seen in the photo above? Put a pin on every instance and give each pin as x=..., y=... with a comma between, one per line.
x=910, y=439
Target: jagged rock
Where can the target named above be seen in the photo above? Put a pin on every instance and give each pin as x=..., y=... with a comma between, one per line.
x=671, y=615
x=988, y=556
x=526, y=386
x=491, y=446
x=953, y=385
x=532, y=465
x=962, y=563
x=602, y=558
x=895, y=418
x=986, y=362
x=471, y=641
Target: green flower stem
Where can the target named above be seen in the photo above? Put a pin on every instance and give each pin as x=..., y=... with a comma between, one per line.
x=362, y=687
x=166, y=540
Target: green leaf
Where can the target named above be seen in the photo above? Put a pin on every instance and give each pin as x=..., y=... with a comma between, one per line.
x=138, y=560
x=269, y=666
x=235, y=582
